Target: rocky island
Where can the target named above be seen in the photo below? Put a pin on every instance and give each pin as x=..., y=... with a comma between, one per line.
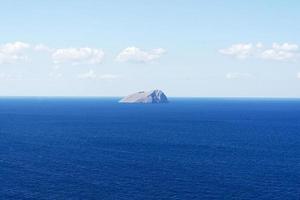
x=154, y=96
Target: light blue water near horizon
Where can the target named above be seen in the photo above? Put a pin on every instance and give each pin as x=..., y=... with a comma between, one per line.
x=95, y=148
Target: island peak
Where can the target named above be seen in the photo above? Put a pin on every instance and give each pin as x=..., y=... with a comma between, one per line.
x=153, y=96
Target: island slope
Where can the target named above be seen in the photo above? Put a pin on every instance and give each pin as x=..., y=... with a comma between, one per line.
x=154, y=96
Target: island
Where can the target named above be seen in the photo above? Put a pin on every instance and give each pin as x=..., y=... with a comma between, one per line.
x=153, y=96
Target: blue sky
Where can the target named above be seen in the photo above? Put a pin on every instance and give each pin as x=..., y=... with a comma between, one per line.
x=186, y=48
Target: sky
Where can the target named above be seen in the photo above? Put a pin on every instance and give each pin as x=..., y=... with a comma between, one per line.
x=187, y=48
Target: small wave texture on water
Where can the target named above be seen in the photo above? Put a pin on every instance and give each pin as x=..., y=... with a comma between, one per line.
x=95, y=148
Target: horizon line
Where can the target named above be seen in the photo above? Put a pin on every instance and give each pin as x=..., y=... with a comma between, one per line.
x=170, y=97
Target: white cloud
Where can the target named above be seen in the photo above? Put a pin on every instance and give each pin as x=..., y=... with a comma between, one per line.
x=42, y=48
x=285, y=47
x=77, y=56
x=298, y=75
x=134, y=54
x=275, y=54
x=91, y=74
x=279, y=52
x=13, y=52
x=238, y=75
x=13, y=48
x=239, y=50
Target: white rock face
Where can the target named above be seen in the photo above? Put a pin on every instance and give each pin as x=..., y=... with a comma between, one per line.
x=154, y=96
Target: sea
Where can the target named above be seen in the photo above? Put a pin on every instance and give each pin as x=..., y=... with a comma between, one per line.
x=188, y=149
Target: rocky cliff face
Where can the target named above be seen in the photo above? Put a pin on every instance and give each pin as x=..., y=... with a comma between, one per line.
x=154, y=96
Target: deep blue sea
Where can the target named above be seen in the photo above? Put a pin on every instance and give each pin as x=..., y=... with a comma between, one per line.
x=93, y=148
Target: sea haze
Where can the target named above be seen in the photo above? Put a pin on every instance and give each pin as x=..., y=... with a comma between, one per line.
x=55, y=148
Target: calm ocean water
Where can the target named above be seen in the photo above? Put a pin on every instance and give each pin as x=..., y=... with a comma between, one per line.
x=188, y=149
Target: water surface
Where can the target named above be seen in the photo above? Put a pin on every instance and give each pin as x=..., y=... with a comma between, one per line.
x=55, y=148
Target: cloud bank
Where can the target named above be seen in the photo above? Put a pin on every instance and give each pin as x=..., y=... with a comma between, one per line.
x=134, y=54
x=19, y=51
x=91, y=74
x=76, y=56
x=277, y=52
x=13, y=52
